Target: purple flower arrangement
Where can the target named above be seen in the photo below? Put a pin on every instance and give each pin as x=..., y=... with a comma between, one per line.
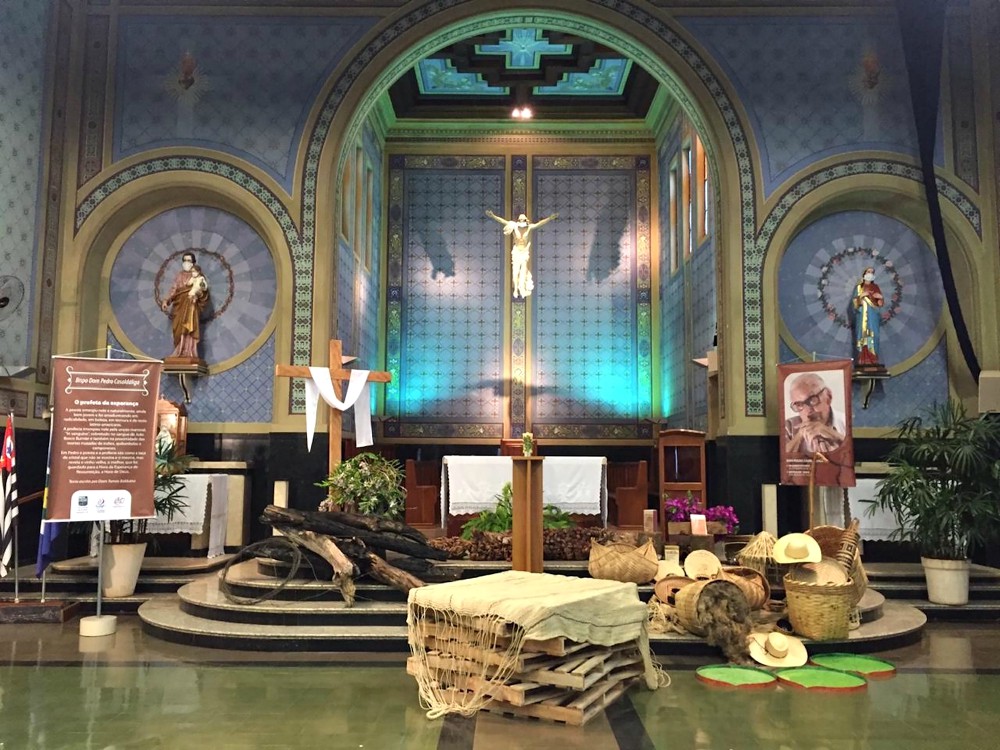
x=679, y=509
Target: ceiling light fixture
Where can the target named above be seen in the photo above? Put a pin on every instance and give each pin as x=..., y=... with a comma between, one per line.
x=521, y=113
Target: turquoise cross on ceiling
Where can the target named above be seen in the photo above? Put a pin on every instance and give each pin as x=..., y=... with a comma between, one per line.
x=523, y=48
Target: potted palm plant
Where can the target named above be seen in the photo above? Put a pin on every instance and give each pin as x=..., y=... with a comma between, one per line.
x=125, y=539
x=942, y=489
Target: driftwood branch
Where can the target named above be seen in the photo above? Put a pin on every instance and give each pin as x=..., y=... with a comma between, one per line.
x=343, y=567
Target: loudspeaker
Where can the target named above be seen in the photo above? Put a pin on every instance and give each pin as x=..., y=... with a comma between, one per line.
x=989, y=391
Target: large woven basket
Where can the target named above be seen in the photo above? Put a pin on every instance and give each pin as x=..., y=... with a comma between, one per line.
x=759, y=555
x=821, y=612
x=623, y=562
x=686, y=602
x=751, y=582
x=830, y=540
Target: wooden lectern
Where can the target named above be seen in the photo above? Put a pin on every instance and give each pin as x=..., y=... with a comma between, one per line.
x=527, y=511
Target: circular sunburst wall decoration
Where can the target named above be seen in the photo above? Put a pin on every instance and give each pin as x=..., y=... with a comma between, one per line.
x=233, y=257
x=822, y=266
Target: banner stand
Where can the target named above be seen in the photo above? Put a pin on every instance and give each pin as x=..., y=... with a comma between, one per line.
x=97, y=625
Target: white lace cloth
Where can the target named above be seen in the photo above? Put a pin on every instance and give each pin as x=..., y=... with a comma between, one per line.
x=191, y=520
x=575, y=484
x=878, y=526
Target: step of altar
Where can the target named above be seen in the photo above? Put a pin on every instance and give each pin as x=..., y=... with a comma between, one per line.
x=200, y=616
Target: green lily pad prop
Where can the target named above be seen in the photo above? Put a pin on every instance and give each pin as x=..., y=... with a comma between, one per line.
x=867, y=666
x=821, y=678
x=732, y=676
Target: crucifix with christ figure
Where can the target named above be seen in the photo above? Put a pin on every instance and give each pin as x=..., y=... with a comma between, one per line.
x=338, y=373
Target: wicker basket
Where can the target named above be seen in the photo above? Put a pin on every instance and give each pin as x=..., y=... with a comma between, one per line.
x=830, y=540
x=752, y=583
x=686, y=602
x=758, y=554
x=623, y=562
x=821, y=612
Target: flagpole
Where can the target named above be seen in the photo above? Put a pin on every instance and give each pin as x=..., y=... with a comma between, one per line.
x=100, y=567
x=44, y=574
x=17, y=572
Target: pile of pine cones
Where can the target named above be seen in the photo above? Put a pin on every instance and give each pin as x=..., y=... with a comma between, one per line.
x=559, y=544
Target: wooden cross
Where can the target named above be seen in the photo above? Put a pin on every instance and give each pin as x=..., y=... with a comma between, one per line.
x=336, y=375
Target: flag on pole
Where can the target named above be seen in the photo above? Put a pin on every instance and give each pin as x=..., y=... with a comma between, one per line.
x=49, y=531
x=8, y=485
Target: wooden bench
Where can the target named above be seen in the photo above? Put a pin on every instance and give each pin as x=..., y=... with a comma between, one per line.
x=628, y=492
x=423, y=493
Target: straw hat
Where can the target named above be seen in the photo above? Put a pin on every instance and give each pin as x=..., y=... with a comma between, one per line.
x=777, y=650
x=665, y=568
x=702, y=564
x=797, y=548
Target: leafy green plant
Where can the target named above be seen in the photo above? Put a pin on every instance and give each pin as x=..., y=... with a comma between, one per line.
x=942, y=484
x=368, y=483
x=167, y=497
x=501, y=518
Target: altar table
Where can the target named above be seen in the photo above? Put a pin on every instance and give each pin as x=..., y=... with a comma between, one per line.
x=574, y=484
x=191, y=520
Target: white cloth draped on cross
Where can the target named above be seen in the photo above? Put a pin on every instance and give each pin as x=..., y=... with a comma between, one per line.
x=321, y=384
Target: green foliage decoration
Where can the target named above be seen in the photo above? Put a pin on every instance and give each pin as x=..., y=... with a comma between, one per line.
x=368, y=483
x=942, y=486
x=501, y=518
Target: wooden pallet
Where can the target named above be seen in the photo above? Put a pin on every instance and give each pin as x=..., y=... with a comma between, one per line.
x=573, y=707
x=558, y=646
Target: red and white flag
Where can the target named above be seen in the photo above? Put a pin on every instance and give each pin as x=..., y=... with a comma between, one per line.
x=8, y=485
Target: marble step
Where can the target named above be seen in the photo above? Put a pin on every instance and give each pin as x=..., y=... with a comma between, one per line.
x=164, y=618
x=205, y=599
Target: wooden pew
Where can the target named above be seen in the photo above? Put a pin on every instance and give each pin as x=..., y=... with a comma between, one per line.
x=423, y=493
x=628, y=491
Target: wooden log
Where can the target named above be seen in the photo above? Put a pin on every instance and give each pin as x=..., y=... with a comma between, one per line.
x=325, y=547
x=375, y=524
x=388, y=574
x=318, y=522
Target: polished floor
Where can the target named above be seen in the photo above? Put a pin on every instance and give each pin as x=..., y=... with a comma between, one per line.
x=132, y=691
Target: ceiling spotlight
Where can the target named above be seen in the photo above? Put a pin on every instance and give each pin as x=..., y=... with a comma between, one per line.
x=516, y=114
x=525, y=113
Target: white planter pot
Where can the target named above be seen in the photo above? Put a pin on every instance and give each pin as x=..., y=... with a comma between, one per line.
x=947, y=580
x=121, y=565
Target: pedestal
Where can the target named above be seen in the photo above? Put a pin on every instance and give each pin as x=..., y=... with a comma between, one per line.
x=527, y=510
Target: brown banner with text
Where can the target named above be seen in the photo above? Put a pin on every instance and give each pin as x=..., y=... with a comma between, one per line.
x=102, y=458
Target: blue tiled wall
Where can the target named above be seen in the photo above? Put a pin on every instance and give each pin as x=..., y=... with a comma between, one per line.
x=453, y=270
x=22, y=77
x=255, y=81
x=584, y=331
x=804, y=84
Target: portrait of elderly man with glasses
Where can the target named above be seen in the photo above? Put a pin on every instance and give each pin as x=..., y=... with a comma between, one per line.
x=816, y=427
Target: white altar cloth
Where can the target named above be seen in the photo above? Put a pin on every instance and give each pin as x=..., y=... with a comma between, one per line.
x=191, y=520
x=878, y=526
x=575, y=484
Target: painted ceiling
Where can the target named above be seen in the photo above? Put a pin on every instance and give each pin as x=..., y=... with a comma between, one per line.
x=559, y=75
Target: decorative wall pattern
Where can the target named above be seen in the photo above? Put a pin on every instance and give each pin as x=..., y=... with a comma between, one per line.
x=774, y=62
x=240, y=395
x=238, y=84
x=23, y=25
x=518, y=312
x=235, y=260
x=823, y=264
x=369, y=291
x=591, y=330
x=95, y=66
x=446, y=265
x=963, y=105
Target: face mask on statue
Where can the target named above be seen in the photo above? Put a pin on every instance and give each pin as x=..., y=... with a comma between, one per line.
x=187, y=265
x=869, y=277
